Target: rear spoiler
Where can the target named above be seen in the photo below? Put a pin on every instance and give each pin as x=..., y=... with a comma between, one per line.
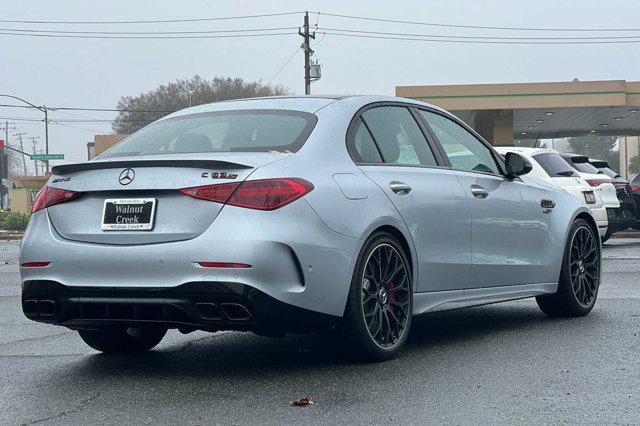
x=66, y=169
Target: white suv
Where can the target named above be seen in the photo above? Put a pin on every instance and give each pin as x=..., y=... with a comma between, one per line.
x=549, y=166
x=600, y=181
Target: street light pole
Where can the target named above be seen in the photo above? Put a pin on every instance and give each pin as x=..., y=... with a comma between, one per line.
x=46, y=121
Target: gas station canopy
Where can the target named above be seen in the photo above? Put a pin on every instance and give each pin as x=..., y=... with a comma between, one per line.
x=504, y=112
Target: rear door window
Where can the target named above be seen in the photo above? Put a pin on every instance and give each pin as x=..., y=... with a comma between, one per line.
x=398, y=136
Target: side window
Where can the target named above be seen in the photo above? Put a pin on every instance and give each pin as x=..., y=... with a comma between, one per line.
x=398, y=136
x=364, y=144
x=465, y=151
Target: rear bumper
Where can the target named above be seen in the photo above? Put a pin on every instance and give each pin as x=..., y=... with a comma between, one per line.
x=600, y=216
x=621, y=218
x=295, y=258
x=210, y=306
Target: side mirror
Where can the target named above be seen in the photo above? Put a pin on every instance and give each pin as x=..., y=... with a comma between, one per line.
x=516, y=165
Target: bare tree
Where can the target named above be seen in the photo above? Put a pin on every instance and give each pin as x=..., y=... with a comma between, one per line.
x=177, y=95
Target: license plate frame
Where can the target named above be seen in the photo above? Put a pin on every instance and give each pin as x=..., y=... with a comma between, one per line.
x=131, y=219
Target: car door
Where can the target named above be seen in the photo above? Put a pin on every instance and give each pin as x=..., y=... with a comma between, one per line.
x=506, y=229
x=389, y=145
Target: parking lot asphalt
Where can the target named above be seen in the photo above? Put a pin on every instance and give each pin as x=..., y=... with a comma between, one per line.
x=504, y=363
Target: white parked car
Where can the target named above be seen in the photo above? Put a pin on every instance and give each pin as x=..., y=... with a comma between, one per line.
x=549, y=166
x=600, y=181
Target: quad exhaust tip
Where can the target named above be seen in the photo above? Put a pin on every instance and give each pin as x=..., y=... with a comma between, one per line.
x=235, y=311
x=44, y=308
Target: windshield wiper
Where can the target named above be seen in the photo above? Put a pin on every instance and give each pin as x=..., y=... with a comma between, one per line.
x=565, y=173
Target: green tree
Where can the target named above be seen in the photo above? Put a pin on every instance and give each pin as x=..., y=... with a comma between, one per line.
x=597, y=147
x=174, y=96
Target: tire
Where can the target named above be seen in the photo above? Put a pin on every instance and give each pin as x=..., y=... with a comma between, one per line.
x=123, y=340
x=579, y=276
x=384, y=295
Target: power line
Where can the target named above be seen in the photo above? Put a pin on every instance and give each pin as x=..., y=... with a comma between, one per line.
x=85, y=120
x=483, y=27
x=463, y=41
x=88, y=109
x=478, y=37
x=284, y=65
x=154, y=21
x=250, y=30
x=145, y=37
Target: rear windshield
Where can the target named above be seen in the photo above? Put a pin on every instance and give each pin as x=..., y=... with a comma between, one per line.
x=585, y=168
x=607, y=171
x=228, y=131
x=553, y=164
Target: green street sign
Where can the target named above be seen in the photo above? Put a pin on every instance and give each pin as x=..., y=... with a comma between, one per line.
x=45, y=157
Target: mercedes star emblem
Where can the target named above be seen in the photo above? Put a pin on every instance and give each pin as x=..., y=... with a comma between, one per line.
x=126, y=176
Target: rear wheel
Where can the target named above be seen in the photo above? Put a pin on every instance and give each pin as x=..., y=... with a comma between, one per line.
x=379, y=307
x=579, y=277
x=122, y=339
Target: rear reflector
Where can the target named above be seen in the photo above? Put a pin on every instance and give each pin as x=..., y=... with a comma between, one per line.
x=48, y=197
x=224, y=265
x=596, y=182
x=35, y=264
x=262, y=194
x=589, y=197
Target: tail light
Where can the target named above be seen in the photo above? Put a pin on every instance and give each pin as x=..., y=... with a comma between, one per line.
x=635, y=188
x=48, y=197
x=619, y=184
x=262, y=194
x=224, y=265
x=596, y=182
x=589, y=197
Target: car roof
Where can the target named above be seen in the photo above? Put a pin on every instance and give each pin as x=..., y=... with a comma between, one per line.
x=525, y=150
x=306, y=103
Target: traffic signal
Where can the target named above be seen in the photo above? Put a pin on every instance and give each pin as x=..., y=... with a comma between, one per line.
x=4, y=166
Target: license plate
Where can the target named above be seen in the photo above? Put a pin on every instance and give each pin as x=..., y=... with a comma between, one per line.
x=128, y=214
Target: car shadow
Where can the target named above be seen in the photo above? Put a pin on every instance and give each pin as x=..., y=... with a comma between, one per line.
x=242, y=355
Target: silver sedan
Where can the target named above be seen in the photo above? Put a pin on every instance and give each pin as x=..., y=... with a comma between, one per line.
x=300, y=214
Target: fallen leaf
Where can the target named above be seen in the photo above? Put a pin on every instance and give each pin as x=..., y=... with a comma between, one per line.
x=302, y=402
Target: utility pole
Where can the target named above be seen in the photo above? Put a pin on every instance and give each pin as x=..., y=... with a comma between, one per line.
x=24, y=160
x=306, y=47
x=46, y=135
x=34, y=143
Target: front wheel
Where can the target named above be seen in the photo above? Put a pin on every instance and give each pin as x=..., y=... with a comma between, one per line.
x=122, y=339
x=379, y=307
x=579, y=276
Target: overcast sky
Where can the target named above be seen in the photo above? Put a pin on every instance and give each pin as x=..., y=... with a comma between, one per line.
x=96, y=73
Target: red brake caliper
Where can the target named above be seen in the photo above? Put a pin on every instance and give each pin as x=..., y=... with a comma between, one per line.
x=392, y=297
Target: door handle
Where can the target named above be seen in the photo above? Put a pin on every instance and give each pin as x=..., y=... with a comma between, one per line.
x=399, y=188
x=479, y=192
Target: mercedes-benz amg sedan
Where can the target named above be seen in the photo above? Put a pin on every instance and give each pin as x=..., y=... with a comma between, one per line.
x=300, y=214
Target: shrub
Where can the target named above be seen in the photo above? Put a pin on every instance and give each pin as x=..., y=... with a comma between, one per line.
x=15, y=221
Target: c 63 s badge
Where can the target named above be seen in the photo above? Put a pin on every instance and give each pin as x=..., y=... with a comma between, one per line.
x=218, y=175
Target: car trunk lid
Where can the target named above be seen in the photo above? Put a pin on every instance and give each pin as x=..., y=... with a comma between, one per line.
x=176, y=215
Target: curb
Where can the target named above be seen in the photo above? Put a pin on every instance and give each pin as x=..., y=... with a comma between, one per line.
x=626, y=234
x=8, y=235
